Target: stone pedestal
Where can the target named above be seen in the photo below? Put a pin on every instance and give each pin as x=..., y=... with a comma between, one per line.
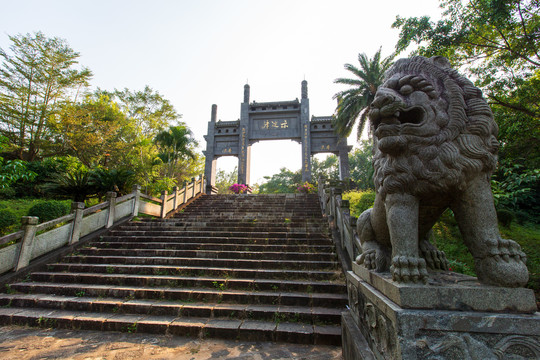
x=451, y=317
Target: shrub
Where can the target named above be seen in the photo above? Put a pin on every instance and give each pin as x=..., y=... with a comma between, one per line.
x=49, y=210
x=7, y=219
x=238, y=188
x=305, y=188
x=359, y=201
x=7, y=193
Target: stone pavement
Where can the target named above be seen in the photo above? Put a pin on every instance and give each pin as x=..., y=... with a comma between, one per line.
x=17, y=342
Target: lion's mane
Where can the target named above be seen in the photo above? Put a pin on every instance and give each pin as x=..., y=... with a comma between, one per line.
x=464, y=147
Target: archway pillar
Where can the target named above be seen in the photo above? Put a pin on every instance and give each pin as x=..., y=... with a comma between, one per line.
x=210, y=159
x=244, y=145
x=305, y=134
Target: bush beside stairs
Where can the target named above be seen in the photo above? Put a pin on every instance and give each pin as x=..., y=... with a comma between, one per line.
x=246, y=267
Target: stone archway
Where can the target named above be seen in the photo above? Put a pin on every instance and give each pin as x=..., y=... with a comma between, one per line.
x=277, y=120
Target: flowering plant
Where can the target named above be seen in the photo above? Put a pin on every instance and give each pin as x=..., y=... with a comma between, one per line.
x=238, y=188
x=305, y=188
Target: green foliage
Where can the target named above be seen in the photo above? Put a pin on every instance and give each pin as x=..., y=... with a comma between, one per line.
x=76, y=185
x=353, y=102
x=327, y=168
x=49, y=210
x=148, y=108
x=117, y=180
x=36, y=77
x=12, y=171
x=517, y=189
x=446, y=237
x=7, y=219
x=224, y=180
x=283, y=182
x=361, y=166
x=175, y=145
x=159, y=185
x=44, y=170
x=359, y=201
x=96, y=131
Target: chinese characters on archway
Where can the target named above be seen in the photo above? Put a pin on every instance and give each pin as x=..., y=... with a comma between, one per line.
x=274, y=124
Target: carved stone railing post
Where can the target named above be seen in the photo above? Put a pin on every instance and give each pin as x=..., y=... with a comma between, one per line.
x=185, y=192
x=111, y=199
x=193, y=187
x=77, y=208
x=163, y=204
x=29, y=225
x=175, y=198
x=136, y=200
x=345, y=215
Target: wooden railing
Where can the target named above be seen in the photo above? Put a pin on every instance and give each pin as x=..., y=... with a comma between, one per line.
x=342, y=224
x=35, y=240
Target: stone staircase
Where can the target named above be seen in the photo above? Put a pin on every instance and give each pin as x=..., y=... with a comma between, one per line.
x=247, y=267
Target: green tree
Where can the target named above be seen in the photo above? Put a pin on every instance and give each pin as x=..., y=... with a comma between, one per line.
x=283, y=182
x=175, y=145
x=36, y=77
x=361, y=166
x=497, y=43
x=327, y=168
x=225, y=179
x=148, y=108
x=97, y=132
x=353, y=102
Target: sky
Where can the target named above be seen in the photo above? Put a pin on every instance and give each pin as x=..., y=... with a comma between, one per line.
x=201, y=52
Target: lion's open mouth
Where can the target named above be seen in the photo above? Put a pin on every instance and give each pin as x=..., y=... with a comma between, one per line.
x=390, y=125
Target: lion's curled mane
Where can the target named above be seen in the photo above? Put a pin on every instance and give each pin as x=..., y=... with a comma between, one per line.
x=464, y=144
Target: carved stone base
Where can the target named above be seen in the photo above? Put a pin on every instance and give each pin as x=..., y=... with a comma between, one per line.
x=395, y=332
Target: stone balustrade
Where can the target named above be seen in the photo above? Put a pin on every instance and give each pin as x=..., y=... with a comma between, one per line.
x=35, y=240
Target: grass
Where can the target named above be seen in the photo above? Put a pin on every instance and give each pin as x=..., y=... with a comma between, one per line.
x=20, y=208
x=447, y=238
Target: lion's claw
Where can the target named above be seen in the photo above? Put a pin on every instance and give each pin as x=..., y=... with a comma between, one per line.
x=435, y=259
x=408, y=269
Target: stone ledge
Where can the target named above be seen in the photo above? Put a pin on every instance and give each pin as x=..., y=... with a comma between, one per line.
x=450, y=291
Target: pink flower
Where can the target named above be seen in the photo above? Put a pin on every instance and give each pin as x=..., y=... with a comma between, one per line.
x=238, y=188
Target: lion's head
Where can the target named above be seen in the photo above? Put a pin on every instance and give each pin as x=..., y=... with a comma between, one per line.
x=433, y=130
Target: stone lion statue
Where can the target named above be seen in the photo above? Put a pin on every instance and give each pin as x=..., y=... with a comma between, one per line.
x=435, y=148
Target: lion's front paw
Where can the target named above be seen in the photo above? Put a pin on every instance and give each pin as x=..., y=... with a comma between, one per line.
x=373, y=258
x=408, y=269
x=435, y=259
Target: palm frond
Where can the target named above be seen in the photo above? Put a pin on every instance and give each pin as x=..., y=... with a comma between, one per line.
x=353, y=102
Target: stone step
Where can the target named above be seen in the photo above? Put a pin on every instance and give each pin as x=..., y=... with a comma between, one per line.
x=223, y=272
x=305, y=314
x=176, y=281
x=266, y=214
x=248, y=330
x=311, y=241
x=156, y=244
x=202, y=262
x=240, y=267
x=260, y=255
x=230, y=234
x=300, y=228
x=213, y=295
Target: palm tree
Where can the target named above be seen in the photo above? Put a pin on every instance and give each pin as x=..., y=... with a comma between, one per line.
x=353, y=102
x=175, y=144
